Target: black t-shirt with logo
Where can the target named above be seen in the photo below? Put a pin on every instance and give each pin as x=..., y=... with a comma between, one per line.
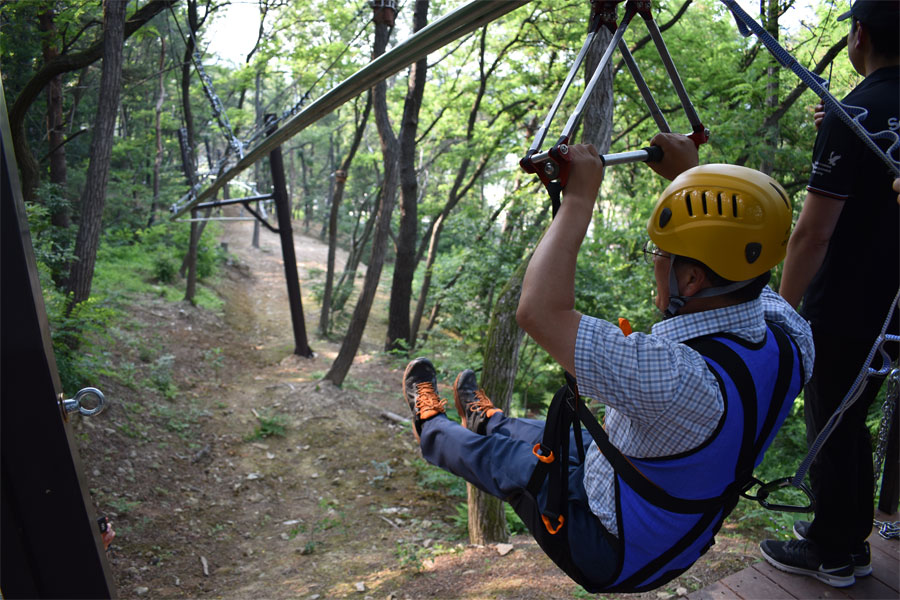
x=853, y=290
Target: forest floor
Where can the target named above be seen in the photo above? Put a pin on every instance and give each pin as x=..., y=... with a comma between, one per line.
x=210, y=498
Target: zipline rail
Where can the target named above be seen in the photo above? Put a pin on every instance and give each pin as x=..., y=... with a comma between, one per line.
x=434, y=36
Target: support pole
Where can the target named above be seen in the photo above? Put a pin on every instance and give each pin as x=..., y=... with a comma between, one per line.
x=283, y=212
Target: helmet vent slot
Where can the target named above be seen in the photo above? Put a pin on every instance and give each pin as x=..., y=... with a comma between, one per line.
x=703, y=200
x=687, y=202
x=664, y=217
x=734, y=204
x=719, y=202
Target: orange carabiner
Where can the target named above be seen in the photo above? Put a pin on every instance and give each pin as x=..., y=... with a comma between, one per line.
x=551, y=528
x=544, y=459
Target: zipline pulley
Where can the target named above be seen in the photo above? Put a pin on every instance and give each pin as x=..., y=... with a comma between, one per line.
x=552, y=166
x=384, y=12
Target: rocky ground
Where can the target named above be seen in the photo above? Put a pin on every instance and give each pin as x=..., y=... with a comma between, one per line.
x=229, y=470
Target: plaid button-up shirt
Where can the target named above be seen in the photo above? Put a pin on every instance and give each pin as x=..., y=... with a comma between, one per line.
x=660, y=396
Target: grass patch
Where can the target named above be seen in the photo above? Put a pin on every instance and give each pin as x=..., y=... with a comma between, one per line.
x=268, y=426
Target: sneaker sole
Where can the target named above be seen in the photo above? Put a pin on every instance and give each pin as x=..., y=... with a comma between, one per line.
x=837, y=581
x=858, y=570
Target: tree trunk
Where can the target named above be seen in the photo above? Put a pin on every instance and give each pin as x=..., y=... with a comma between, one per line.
x=398, y=331
x=345, y=284
x=59, y=213
x=93, y=196
x=304, y=183
x=63, y=63
x=598, y=111
x=257, y=168
x=337, y=196
x=487, y=517
x=157, y=161
x=341, y=366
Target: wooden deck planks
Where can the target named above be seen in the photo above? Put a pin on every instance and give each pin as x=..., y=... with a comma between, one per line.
x=762, y=581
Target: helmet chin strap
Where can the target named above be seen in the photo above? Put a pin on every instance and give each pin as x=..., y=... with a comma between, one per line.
x=677, y=301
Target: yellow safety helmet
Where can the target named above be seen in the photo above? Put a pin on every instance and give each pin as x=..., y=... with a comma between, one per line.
x=733, y=219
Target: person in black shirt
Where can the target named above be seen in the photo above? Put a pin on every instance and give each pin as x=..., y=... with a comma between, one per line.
x=843, y=260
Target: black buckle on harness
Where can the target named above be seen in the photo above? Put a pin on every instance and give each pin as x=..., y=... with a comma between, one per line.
x=766, y=489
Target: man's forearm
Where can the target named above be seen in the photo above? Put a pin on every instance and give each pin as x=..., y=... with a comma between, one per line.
x=804, y=257
x=547, y=304
x=808, y=245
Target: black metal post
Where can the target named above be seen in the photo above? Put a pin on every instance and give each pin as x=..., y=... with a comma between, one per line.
x=283, y=211
x=50, y=545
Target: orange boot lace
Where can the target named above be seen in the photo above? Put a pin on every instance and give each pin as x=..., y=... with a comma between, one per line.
x=428, y=404
x=483, y=404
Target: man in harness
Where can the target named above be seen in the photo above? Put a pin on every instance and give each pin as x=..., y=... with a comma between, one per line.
x=690, y=407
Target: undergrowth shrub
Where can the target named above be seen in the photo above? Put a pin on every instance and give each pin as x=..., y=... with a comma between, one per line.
x=129, y=263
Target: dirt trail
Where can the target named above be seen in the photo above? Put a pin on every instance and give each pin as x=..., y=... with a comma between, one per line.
x=329, y=508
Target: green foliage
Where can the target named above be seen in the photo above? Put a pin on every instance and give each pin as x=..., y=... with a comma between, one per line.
x=146, y=260
x=78, y=337
x=161, y=377
x=268, y=425
x=122, y=505
x=53, y=246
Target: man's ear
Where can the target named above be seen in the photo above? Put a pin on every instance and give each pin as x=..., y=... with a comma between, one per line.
x=691, y=279
x=862, y=35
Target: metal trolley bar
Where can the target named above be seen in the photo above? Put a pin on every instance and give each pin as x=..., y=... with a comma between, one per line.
x=552, y=166
x=575, y=118
x=649, y=100
x=694, y=119
x=588, y=43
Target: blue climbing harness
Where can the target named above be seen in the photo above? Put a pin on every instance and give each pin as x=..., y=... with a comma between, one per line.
x=669, y=508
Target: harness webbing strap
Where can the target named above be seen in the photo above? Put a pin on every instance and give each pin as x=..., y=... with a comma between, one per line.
x=782, y=383
x=732, y=364
x=636, y=480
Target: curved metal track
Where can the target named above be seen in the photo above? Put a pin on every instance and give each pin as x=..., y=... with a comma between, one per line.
x=448, y=28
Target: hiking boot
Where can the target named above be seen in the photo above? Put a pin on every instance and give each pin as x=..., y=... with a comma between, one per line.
x=420, y=389
x=473, y=406
x=861, y=556
x=802, y=557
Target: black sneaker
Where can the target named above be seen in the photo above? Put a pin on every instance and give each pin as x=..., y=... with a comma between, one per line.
x=420, y=390
x=861, y=556
x=473, y=406
x=802, y=558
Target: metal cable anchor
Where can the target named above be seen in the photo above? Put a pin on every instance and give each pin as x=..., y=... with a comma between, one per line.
x=75, y=404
